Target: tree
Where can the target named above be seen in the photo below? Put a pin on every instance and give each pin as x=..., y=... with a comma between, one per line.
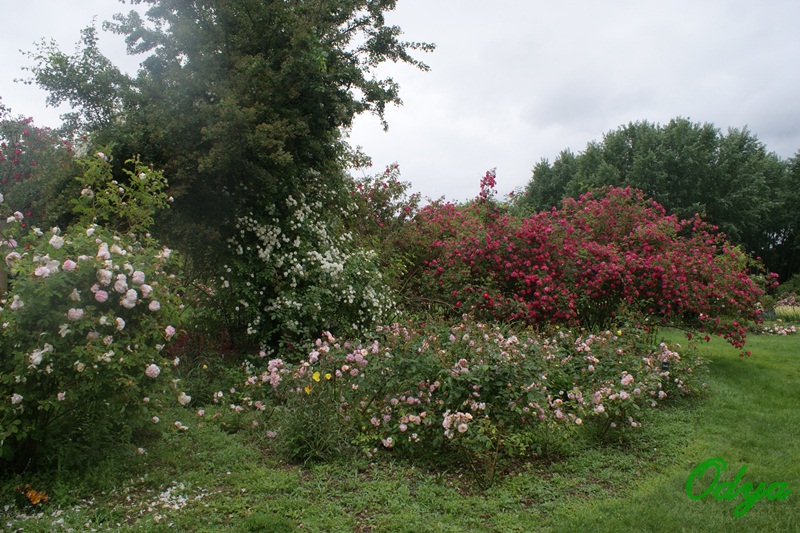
x=237, y=101
x=730, y=179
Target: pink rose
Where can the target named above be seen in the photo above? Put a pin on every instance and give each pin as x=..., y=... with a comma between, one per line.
x=152, y=371
x=101, y=296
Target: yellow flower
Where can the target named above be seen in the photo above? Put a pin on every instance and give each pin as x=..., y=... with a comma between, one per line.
x=619, y=332
x=328, y=376
x=308, y=389
x=315, y=376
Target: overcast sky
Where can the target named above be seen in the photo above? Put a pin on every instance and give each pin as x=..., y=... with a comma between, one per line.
x=516, y=81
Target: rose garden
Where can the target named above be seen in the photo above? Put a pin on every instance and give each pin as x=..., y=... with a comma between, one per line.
x=164, y=293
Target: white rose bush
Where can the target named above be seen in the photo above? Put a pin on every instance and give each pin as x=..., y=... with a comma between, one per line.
x=293, y=272
x=85, y=319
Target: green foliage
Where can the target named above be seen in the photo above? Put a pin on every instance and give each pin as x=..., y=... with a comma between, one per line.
x=480, y=395
x=236, y=102
x=87, y=313
x=381, y=220
x=730, y=179
x=36, y=170
x=298, y=274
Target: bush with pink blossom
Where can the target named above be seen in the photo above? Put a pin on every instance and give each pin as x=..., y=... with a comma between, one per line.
x=483, y=394
x=84, y=319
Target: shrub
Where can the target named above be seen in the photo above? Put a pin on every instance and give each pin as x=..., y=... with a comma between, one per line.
x=481, y=394
x=609, y=254
x=87, y=313
x=293, y=273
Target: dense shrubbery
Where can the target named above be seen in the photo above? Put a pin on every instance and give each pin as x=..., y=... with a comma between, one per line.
x=87, y=313
x=609, y=255
x=294, y=272
x=487, y=393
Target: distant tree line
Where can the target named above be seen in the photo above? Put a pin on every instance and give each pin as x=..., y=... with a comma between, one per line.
x=730, y=179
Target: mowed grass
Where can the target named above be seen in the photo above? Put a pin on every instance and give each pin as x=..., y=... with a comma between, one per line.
x=209, y=480
x=751, y=416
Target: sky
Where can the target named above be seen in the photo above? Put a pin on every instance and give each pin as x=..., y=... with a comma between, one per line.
x=513, y=82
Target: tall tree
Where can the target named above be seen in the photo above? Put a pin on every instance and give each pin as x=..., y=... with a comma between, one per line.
x=237, y=101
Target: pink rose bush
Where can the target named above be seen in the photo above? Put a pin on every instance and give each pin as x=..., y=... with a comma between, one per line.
x=486, y=393
x=79, y=342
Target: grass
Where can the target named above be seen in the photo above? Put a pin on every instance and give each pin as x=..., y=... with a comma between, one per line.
x=210, y=480
x=788, y=312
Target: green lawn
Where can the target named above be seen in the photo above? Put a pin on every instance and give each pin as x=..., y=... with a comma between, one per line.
x=208, y=480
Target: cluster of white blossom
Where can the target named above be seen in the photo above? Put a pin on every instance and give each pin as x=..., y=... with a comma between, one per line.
x=302, y=274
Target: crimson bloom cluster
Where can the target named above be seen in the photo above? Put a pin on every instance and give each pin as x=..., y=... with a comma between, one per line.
x=610, y=254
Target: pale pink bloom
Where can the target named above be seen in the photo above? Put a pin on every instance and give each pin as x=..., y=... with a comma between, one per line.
x=56, y=241
x=138, y=277
x=16, y=398
x=104, y=276
x=69, y=265
x=626, y=380
x=169, y=331
x=462, y=428
x=75, y=314
x=154, y=306
x=61, y=396
x=156, y=420
x=152, y=371
x=16, y=303
x=404, y=427
x=623, y=395
x=201, y=412
x=599, y=409
x=129, y=300
x=121, y=285
x=13, y=256
x=146, y=290
x=184, y=399
x=101, y=296
x=102, y=252
x=387, y=442
x=271, y=434
x=120, y=323
x=578, y=421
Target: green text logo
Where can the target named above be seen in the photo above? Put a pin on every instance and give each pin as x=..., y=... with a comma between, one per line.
x=731, y=490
